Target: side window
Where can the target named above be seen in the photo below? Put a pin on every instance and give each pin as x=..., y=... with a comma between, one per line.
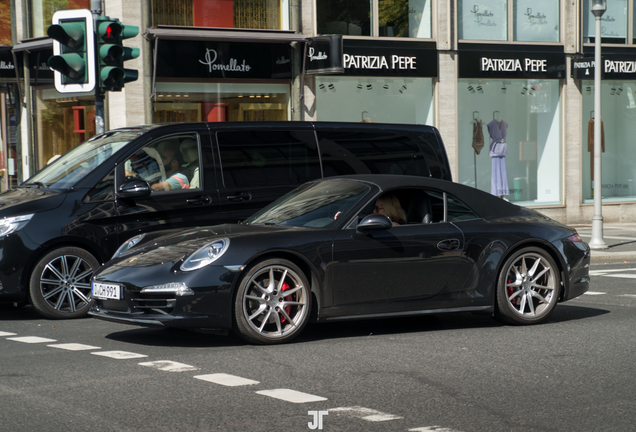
x=433, y=154
x=104, y=190
x=267, y=158
x=458, y=211
x=366, y=152
x=168, y=164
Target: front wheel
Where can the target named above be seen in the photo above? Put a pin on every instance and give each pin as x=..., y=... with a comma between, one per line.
x=60, y=284
x=528, y=287
x=272, y=302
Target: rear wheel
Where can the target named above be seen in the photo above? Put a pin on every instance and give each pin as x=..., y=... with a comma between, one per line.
x=528, y=287
x=272, y=302
x=60, y=284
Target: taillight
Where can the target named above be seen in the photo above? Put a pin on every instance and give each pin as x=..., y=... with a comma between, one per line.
x=575, y=238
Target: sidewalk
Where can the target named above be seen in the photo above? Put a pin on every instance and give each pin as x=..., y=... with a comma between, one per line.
x=620, y=239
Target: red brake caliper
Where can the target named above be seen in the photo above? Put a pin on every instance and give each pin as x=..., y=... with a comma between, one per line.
x=288, y=298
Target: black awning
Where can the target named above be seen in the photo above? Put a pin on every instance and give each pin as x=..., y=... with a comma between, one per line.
x=35, y=44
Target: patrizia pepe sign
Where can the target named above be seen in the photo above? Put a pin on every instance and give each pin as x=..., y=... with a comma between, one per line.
x=613, y=67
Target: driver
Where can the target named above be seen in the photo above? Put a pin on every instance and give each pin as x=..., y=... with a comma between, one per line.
x=172, y=160
x=389, y=205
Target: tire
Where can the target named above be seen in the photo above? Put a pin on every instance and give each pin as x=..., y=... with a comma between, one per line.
x=60, y=284
x=528, y=287
x=272, y=302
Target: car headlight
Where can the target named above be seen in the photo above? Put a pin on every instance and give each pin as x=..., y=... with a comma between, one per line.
x=206, y=255
x=12, y=224
x=128, y=244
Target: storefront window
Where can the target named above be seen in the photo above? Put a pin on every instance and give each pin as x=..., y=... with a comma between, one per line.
x=62, y=123
x=379, y=100
x=526, y=115
x=248, y=14
x=5, y=22
x=618, y=111
x=536, y=20
x=613, y=23
x=209, y=101
x=42, y=12
x=396, y=18
x=483, y=20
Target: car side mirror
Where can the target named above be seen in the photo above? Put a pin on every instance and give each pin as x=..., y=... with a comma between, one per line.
x=374, y=222
x=134, y=189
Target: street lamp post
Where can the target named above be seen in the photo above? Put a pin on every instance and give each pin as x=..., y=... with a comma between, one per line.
x=597, y=242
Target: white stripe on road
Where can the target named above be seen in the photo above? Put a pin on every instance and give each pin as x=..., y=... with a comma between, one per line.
x=75, y=347
x=364, y=413
x=7, y=334
x=226, y=380
x=432, y=429
x=594, y=293
x=601, y=272
x=627, y=295
x=291, y=395
x=169, y=366
x=31, y=339
x=623, y=276
x=119, y=355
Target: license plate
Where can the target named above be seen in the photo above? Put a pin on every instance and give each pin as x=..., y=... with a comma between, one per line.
x=106, y=291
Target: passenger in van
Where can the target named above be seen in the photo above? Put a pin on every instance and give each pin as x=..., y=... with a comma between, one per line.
x=172, y=160
x=389, y=205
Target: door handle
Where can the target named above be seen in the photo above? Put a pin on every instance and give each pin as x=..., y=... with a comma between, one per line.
x=201, y=200
x=240, y=197
x=448, y=245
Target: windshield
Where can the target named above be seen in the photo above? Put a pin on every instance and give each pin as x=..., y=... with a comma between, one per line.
x=314, y=205
x=67, y=170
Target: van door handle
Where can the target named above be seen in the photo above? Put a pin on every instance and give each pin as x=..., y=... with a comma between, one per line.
x=240, y=197
x=448, y=245
x=201, y=200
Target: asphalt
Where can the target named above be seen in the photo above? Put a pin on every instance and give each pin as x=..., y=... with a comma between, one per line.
x=620, y=240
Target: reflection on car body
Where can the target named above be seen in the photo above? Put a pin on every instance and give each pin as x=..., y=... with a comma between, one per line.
x=460, y=250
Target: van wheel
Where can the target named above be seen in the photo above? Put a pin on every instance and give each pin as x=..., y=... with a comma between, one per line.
x=60, y=284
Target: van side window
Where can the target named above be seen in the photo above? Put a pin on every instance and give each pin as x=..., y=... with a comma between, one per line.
x=267, y=158
x=387, y=152
x=104, y=190
x=168, y=164
x=435, y=157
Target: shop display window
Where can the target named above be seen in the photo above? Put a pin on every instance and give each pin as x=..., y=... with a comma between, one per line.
x=62, y=123
x=509, y=139
x=395, y=18
x=379, y=100
x=618, y=114
x=247, y=14
x=209, y=101
x=42, y=12
x=533, y=20
x=613, y=23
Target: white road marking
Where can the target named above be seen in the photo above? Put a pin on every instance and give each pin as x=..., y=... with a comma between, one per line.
x=432, y=429
x=364, y=413
x=594, y=293
x=74, y=347
x=7, y=334
x=602, y=272
x=119, y=355
x=31, y=339
x=623, y=276
x=627, y=295
x=291, y=395
x=169, y=366
x=226, y=380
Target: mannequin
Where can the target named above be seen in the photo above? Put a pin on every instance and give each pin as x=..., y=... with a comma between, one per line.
x=498, y=129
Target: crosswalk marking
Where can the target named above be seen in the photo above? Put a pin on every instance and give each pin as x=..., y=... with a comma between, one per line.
x=75, y=347
x=31, y=339
x=119, y=355
x=3, y=333
x=595, y=293
x=291, y=395
x=432, y=429
x=226, y=379
x=367, y=414
x=169, y=366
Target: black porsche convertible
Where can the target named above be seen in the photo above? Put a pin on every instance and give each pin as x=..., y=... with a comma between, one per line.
x=328, y=251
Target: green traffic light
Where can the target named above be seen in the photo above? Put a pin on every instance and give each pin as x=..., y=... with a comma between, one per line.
x=70, y=65
x=70, y=35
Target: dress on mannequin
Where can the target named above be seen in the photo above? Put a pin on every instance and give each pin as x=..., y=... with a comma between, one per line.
x=499, y=177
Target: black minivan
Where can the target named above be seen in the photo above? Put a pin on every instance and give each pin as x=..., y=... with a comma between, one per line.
x=58, y=226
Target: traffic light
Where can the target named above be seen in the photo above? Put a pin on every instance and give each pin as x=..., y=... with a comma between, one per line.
x=112, y=54
x=73, y=60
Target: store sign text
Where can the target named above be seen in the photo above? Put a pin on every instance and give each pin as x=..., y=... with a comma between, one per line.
x=513, y=65
x=379, y=62
x=231, y=66
x=620, y=66
x=321, y=55
x=5, y=65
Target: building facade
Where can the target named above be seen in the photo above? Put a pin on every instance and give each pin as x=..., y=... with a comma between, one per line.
x=484, y=72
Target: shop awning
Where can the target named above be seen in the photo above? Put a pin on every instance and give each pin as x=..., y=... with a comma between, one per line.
x=35, y=44
x=224, y=34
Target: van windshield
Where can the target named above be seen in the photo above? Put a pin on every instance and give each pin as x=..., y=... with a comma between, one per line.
x=71, y=167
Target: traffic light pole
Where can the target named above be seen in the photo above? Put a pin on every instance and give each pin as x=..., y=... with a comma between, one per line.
x=96, y=9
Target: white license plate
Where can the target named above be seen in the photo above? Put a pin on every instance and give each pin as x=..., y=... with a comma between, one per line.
x=106, y=291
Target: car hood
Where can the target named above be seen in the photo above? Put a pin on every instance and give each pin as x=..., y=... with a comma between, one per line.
x=29, y=200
